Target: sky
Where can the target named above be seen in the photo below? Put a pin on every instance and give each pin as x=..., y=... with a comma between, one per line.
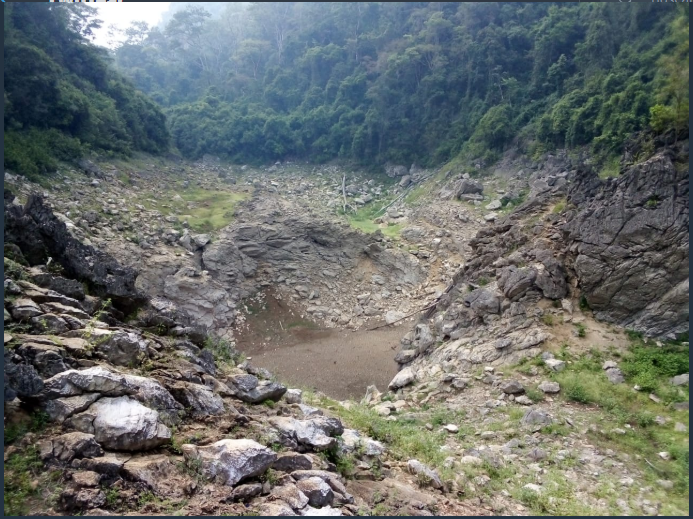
x=122, y=14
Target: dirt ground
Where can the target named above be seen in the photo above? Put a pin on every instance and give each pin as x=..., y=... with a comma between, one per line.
x=340, y=363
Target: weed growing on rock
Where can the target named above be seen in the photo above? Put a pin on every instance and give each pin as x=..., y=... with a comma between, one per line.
x=20, y=469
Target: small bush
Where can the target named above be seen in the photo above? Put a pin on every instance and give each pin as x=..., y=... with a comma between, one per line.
x=547, y=319
x=581, y=330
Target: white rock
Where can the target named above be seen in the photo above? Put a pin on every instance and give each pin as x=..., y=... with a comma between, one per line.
x=122, y=424
x=229, y=461
x=403, y=378
x=293, y=396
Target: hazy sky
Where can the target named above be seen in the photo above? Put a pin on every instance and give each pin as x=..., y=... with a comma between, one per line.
x=121, y=14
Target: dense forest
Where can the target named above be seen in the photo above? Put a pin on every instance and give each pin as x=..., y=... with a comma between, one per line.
x=62, y=96
x=419, y=81
x=369, y=82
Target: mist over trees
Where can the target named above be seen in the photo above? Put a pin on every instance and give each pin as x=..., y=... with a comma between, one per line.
x=61, y=95
x=404, y=82
x=370, y=82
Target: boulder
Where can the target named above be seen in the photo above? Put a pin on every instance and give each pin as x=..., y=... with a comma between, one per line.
x=66, y=447
x=250, y=389
x=482, y=302
x=61, y=409
x=353, y=441
x=427, y=475
x=23, y=309
x=227, y=462
x=551, y=277
x=246, y=492
x=291, y=461
x=200, y=400
x=615, y=375
x=124, y=348
x=317, y=491
x=512, y=387
x=403, y=378
x=515, y=282
x=20, y=379
x=469, y=187
x=549, y=387
x=680, y=380
x=159, y=474
x=536, y=417
x=555, y=364
x=122, y=423
x=318, y=432
x=291, y=495
x=293, y=396
x=49, y=323
x=423, y=338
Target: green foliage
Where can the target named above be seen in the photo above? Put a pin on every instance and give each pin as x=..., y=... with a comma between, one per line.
x=581, y=330
x=426, y=82
x=36, y=424
x=647, y=365
x=223, y=351
x=61, y=97
x=20, y=469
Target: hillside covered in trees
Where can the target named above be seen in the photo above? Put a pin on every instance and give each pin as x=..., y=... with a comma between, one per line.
x=420, y=81
x=63, y=97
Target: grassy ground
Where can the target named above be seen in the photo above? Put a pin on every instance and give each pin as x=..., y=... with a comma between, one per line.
x=363, y=220
x=204, y=210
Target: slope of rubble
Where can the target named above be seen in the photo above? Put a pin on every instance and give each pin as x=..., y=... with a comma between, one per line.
x=134, y=288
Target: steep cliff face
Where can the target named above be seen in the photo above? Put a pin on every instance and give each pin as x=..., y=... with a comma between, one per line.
x=627, y=242
x=619, y=245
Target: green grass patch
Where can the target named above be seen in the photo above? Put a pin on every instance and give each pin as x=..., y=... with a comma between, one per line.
x=611, y=169
x=204, y=210
x=21, y=469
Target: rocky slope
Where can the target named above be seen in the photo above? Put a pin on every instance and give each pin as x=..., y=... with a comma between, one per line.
x=141, y=422
x=126, y=291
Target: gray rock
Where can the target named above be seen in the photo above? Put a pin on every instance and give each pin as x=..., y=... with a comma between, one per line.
x=551, y=279
x=428, y=476
x=23, y=309
x=249, y=388
x=293, y=396
x=200, y=240
x=61, y=409
x=630, y=242
x=609, y=364
x=317, y=491
x=227, y=462
x=66, y=447
x=512, y=387
x=615, y=375
x=291, y=495
x=680, y=380
x=402, y=379
x=549, y=387
x=353, y=441
x=199, y=400
x=109, y=464
x=318, y=432
x=515, y=282
x=291, y=461
x=122, y=423
x=536, y=417
x=246, y=492
x=496, y=204
x=555, y=364
x=482, y=302
x=49, y=323
x=469, y=187
x=159, y=474
x=325, y=511
x=124, y=348
x=20, y=380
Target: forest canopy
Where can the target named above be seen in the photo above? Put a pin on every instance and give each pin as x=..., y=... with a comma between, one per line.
x=370, y=82
x=63, y=96
x=419, y=81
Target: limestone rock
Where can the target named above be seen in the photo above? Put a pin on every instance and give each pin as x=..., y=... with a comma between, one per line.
x=159, y=474
x=66, y=447
x=427, y=475
x=317, y=491
x=122, y=423
x=549, y=387
x=229, y=461
x=402, y=379
x=318, y=432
